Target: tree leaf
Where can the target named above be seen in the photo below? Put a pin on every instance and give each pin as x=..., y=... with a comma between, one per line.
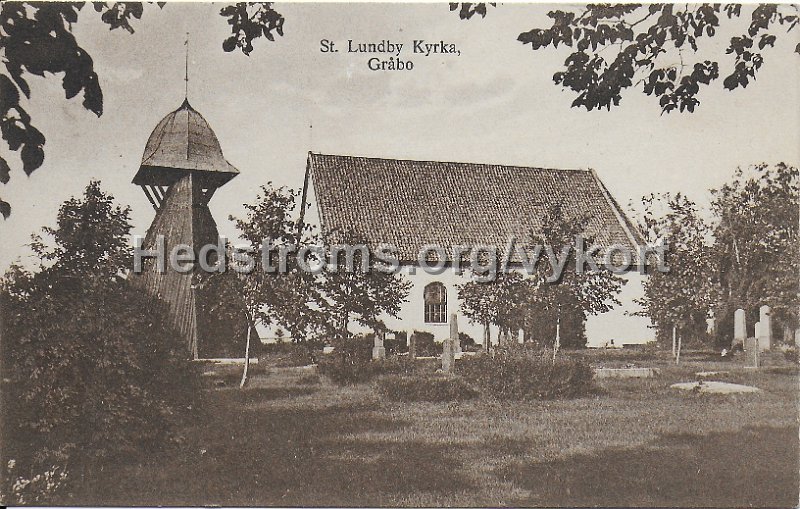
x=9, y=96
x=5, y=171
x=229, y=44
x=5, y=209
x=32, y=157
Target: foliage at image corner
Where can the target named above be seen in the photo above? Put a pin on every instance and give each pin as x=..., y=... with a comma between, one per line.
x=655, y=46
x=91, y=366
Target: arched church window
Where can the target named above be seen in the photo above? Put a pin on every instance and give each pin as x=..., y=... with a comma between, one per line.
x=435, y=303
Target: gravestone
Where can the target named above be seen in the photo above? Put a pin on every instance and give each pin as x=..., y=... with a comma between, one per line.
x=447, y=356
x=412, y=345
x=765, y=338
x=449, y=346
x=378, y=350
x=751, y=350
x=739, y=328
x=456, y=341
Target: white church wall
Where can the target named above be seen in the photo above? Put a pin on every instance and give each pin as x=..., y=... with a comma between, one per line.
x=412, y=314
x=618, y=324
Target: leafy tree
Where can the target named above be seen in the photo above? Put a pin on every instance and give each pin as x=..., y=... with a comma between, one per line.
x=91, y=367
x=678, y=301
x=756, y=245
x=538, y=302
x=359, y=291
x=569, y=300
x=255, y=290
x=91, y=236
x=36, y=38
x=278, y=295
x=657, y=46
x=282, y=290
x=498, y=302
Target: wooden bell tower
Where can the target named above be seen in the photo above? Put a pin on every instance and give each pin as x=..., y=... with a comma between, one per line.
x=182, y=167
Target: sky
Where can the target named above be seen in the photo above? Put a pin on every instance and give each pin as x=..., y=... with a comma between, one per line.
x=495, y=103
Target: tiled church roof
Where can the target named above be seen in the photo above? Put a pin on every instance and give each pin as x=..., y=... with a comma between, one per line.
x=408, y=204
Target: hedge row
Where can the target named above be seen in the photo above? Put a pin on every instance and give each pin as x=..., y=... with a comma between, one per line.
x=512, y=373
x=522, y=374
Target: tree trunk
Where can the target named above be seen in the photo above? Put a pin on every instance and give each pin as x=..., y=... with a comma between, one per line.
x=674, y=340
x=246, y=358
x=557, y=342
x=344, y=325
x=678, y=353
x=487, y=336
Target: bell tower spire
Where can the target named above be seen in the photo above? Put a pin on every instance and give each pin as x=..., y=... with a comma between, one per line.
x=186, y=70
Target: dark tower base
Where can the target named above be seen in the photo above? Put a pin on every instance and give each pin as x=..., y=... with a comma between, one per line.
x=207, y=321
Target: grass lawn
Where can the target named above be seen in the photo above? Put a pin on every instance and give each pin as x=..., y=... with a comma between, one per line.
x=289, y=439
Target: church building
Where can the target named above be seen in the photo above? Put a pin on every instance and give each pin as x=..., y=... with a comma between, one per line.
x=410, y=204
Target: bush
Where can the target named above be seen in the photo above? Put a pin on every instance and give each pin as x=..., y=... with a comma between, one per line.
x=350, y=362
x=93, y=370
x=426, y=346
x=286, y=355
x=353, y=364
x=425, y=388
x=397, y=345
x=516, y=372
x=396, y=366
x=468, y=344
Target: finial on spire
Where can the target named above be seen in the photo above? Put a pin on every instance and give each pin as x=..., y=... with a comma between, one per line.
x=186, y=71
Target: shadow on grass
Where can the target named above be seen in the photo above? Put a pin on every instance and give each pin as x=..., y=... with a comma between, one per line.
x=755, y=467
x=258, y=394
x=286, y=455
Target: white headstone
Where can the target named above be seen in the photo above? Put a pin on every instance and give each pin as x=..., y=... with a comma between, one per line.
x=378, y=350
x=765, y=338
x=739, y=327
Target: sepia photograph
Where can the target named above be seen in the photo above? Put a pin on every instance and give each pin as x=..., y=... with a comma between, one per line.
x=389, y=254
